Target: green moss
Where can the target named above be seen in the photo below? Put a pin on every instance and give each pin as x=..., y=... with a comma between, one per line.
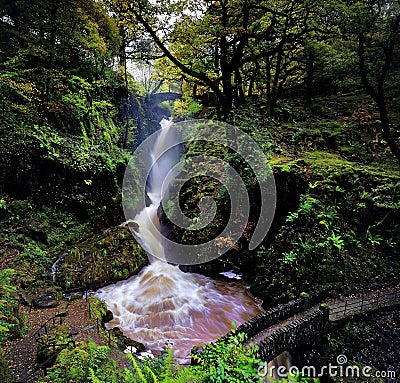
x=12, y=322
x=35, y=236
x=104, y=258
x=342, y=232
x=52, y=168
x=78, y=363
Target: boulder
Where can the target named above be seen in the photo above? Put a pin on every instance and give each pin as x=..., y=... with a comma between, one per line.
x=122, y=342
x=47, y=299
x=102, y=259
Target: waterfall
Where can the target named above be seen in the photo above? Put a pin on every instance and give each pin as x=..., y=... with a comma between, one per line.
x=163, y=304
x=56, y=265
x=149, y=235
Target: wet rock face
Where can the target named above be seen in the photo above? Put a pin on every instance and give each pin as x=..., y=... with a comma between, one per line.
x=122, y=342
x=101, y=259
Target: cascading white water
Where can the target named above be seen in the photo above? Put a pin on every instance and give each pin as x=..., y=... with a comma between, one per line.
x=149, y=234
x=162, y=303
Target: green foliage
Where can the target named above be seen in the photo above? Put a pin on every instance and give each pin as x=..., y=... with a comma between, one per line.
x=36, y=70
x=93, y=113
x=338, y=231
x=326, y=241
x=305, y=207
x=38, y=236
x=60, y=95
x=224, y=361
x=98, y=309
x=3, y=204
x=229, y=361
x=294, y=378
x=92, y=153
x=336, y=63
x=88, y=362
x=85, y=363
x=166, y=370
x=186, y=108
x=12, y=323
x=52, y=342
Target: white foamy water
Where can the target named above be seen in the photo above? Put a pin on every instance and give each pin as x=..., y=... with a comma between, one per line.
x=163, y=304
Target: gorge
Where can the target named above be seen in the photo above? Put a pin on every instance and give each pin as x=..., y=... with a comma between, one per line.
x=163, y=304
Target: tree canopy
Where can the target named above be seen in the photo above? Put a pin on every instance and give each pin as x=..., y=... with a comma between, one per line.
x=230, y=49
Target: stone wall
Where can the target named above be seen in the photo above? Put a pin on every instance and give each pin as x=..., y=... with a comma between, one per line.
x=303, y=322
x=305, y=331
x=278, y=314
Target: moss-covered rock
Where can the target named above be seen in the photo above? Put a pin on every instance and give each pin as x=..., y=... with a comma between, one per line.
x=120, y=341
x=102, y=259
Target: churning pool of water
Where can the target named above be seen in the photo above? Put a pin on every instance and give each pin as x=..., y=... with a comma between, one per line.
x=162, y=304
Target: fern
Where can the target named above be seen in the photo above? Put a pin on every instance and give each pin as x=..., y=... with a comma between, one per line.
x=152, y=374
x=168, y=361
x=137, y=368
x=128, y=376
x=93, y=377
x=187, y=375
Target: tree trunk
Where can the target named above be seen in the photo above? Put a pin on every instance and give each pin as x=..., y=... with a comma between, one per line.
x=378, y=95
x=251, y=86
x=275, y=84
x=386, y=131
x=239, y=87
x=310, y=75
x=269, y=79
